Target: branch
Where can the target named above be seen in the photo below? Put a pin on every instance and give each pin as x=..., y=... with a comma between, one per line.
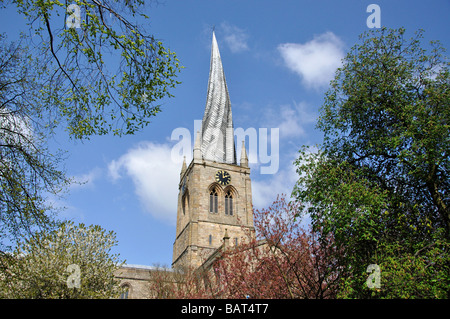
x=47, y=23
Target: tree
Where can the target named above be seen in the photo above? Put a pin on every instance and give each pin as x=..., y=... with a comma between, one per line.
x=285, y=260
x=70, y=262
x=101, y=77
x=379, y=183
x=29, y=172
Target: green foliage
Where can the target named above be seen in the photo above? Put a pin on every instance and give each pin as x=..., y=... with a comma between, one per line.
x=104, y=77
x=379, y=183
x=29, y=172
x=38, y=268
x=388, y=113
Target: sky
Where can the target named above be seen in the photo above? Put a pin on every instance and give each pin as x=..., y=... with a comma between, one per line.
x=278, y=58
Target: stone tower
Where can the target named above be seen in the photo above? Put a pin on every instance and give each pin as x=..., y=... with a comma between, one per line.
x=214, y=191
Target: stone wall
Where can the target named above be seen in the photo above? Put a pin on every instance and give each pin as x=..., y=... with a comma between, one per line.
x=136, y=279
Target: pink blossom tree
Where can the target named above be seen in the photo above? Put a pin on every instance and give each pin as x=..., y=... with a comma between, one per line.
x=284, y=260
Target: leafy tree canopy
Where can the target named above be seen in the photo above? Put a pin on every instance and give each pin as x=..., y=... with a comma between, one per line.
x=73, y=261
x=29, y=172
x=379, y=183
x=105, y=76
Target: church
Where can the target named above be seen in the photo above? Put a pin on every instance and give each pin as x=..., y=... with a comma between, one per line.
x=215, y=197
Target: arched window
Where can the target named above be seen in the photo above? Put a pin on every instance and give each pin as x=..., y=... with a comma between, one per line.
x=229, y=203
x=125, y=291
x=213, y=201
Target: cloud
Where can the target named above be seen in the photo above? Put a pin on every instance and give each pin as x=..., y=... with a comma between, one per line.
x=315, y=61
x=294, y=118
x=264, y=191
x=290, y=119
x=155, y=176
x=16, y=129
x=235, y=38
x=86, y=180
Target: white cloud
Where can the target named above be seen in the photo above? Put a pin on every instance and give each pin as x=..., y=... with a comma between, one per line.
x=293, y=119
x=155, y=176
x=16, y=129
x=264, y=192
x=235, y=38
x=290, y=122
x=86, y=180
x=314, y=61
x=290, y=119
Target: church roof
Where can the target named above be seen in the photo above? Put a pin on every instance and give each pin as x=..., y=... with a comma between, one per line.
x=217, y=125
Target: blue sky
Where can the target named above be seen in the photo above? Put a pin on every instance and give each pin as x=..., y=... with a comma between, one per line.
x=278, y=58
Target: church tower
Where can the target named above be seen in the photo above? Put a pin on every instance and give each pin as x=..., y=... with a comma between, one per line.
x=214, y=191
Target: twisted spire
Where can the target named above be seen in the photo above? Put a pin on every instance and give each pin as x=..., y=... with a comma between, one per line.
x=217, y=125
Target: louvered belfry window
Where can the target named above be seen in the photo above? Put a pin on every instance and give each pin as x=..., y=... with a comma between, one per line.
x=213, y=201
x=228, y=203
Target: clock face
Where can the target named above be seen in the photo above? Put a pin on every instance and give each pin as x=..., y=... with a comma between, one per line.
x=223, y=177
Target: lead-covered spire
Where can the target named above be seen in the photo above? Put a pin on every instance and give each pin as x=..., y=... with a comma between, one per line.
x=217, y=124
